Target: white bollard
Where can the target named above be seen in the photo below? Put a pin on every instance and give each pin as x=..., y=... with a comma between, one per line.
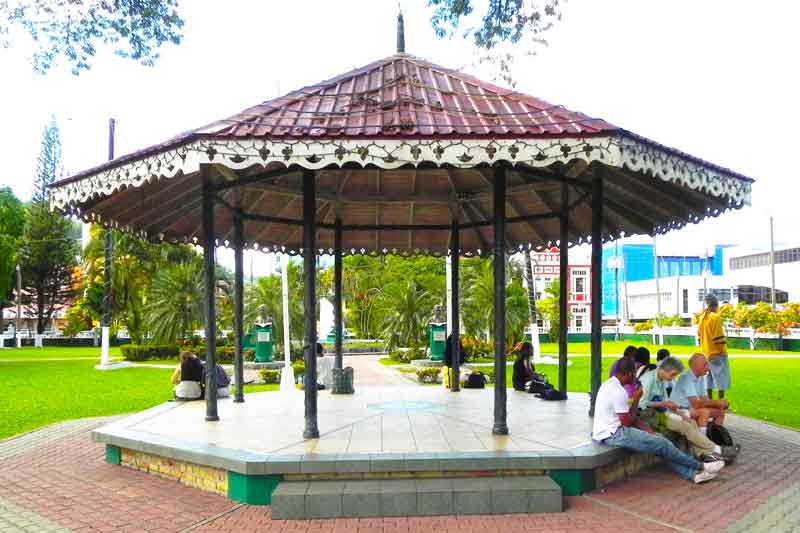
x=37, y=341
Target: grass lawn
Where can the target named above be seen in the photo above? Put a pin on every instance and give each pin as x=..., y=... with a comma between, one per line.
x=761, y=388
x=617, y=347
x=55, y=352
x=43, y=392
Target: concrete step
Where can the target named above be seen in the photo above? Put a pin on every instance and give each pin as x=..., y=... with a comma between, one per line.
x=420, y=497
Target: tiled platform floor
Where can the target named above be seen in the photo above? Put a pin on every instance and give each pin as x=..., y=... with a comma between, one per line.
x=377, y=419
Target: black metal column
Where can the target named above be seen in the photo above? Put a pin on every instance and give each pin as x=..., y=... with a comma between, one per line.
x=500, y=426
x=563, y=309
x=238, y=306
x=338, y=319
x=209, y=244
x=597, y=288
x=311, y=430
x=455, y=247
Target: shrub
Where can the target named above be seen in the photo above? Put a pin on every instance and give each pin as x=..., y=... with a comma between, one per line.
x=143, y=352
x=489, y=373
x=299, y=368
x=475, y=348
x=270, y=376
x=406, y=356
x=249, y=355
x=428, y=375
x=642, y=327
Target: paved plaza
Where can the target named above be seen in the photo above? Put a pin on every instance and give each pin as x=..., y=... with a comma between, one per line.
x=56, y=479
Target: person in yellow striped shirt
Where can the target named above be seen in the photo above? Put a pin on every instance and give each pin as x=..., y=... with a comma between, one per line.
x=714, y=345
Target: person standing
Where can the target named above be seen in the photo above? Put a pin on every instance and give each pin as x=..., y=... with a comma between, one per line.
x=714, y=345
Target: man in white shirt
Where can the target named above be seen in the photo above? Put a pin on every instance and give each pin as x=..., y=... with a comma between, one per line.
x=616, y=423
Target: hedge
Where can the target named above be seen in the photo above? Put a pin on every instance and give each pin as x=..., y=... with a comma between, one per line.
x=143, y=352
x=270, y=376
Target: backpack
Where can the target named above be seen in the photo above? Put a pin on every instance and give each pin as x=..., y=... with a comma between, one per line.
x=476, y=380
x=718, y=434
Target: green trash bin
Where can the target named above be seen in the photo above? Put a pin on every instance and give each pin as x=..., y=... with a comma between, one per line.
x=437, y=339
x=263, y=337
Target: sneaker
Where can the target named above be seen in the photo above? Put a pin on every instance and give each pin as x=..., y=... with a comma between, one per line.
x=713, y=468
x=712, y=457
x=702, y=477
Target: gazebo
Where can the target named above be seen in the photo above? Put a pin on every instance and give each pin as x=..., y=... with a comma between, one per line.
x=405, y=157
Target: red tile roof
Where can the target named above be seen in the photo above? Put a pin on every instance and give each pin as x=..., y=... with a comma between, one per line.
x=405, y=96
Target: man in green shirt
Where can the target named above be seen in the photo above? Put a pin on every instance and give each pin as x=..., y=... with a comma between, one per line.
x=664, y=414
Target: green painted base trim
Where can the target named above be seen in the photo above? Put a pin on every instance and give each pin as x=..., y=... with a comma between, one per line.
x=113, y=454
x=253, y=490
x=573, y=482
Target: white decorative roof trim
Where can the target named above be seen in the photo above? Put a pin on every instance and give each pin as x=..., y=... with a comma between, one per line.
x=659, y=162
x=616, y=151
x=317, y=154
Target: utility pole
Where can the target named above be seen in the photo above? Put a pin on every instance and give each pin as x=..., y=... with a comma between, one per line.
x=108, y=253
x=19, y=307
x=658, y=290
x=772, y=258
x=616, y=285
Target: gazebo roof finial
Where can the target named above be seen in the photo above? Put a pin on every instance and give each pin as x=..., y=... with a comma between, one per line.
x=401, y=36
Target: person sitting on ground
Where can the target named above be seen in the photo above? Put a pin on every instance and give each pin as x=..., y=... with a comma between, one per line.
x=664, y=415
x=324, y=369
x=223, y=381
x=662, y=354
x=448, y=360
x=616, y=423
x=689, y=393
x=523, y=372
x=188, y=378
x=714, y=345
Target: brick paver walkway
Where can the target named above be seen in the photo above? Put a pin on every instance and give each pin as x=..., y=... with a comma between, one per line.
x=55, y=479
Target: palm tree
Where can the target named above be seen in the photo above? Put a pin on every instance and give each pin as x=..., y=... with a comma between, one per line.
x=408, y=309
x=175, y=305
x=478, y=316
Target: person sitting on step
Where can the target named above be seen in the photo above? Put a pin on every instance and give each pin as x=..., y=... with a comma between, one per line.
x=663, y=415
x=689, y=393
x=616, y=423
x=188, y=378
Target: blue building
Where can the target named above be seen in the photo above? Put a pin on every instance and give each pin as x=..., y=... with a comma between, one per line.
x=627, y=263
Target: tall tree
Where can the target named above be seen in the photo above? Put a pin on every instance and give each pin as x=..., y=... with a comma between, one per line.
x=71, y=30
x=49, y=249
x=12, y=224
x=48, y=166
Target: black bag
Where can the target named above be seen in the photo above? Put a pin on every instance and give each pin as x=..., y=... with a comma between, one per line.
x=718, y=434
x=476, y=380
x=539, y=384
x=551, y=395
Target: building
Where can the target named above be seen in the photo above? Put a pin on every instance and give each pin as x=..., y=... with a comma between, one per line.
x=634, y=275
x=546, y=267
x=733, y=273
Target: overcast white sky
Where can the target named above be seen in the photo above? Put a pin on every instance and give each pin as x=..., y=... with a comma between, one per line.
x=717, y=79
